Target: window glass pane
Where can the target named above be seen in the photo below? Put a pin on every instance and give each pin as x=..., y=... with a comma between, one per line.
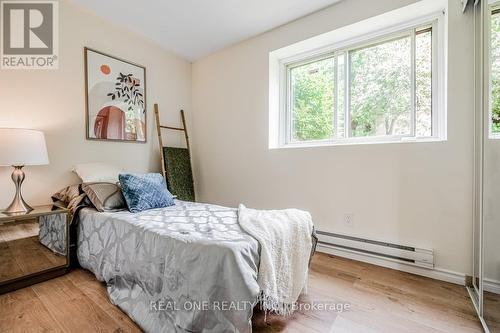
x=423, y=83
x=340, y=110
x=312, y=92
x=380, y=89
x=495, y=74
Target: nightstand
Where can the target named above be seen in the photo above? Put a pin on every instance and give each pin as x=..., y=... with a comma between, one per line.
x=34, y=246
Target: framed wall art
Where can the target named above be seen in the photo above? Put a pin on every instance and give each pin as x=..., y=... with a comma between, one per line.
x=115, y=92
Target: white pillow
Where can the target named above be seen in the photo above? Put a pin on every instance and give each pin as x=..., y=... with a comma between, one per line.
x=97, y=172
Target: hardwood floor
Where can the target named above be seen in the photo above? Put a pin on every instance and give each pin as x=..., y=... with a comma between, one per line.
x=379, y=300
x=491, y=308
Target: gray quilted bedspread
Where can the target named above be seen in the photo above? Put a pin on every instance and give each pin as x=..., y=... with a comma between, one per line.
x=185, y=268
x=53, y=232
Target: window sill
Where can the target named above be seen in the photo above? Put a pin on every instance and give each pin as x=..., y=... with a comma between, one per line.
x=312, y=144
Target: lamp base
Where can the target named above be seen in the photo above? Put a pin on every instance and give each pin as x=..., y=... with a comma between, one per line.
x=18, y=205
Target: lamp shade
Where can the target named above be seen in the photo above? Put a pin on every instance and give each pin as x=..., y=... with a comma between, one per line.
x=22, y=147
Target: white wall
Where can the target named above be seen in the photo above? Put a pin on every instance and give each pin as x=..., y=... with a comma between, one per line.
x=415, y=193
x=491, y=209
x=54, y=101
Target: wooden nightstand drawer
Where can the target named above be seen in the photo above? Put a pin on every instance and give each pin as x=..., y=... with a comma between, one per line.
x=33, y=247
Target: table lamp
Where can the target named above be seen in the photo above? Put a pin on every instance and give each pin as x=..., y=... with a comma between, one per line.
x=20, y=147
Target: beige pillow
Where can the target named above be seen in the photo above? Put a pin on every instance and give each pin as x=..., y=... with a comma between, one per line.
x=106, y=197
x=69, y=197
x=67, y=194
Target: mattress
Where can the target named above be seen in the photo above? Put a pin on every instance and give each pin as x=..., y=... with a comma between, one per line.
x=185, y=268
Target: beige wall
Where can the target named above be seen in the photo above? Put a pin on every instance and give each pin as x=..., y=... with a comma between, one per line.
x=54, y=101
x=415, y=193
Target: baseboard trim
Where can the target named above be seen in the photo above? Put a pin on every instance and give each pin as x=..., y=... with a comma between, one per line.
x=435, y=273
x=493, y=286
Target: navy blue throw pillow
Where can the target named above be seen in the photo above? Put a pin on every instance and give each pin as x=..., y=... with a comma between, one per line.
x=145, y=191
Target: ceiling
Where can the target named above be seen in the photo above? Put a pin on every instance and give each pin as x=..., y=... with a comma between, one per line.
x=195, y=28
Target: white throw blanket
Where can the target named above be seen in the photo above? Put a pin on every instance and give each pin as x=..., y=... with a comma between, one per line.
x=286, y=241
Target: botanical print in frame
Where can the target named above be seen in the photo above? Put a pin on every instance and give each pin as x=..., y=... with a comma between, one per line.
x=116, y=98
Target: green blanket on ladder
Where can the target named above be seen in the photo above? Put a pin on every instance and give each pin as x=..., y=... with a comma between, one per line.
x=179, y=173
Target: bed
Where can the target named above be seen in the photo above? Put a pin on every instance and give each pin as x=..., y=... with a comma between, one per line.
x=185, y=268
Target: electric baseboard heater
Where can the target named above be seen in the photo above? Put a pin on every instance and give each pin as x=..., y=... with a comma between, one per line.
x=390, y=251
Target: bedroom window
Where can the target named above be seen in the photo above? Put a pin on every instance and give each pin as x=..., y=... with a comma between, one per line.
x=374, y=88
x=382, y=89
x=494, y=121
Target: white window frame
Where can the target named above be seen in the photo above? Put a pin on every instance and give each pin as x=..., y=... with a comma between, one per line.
x=303, y=52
